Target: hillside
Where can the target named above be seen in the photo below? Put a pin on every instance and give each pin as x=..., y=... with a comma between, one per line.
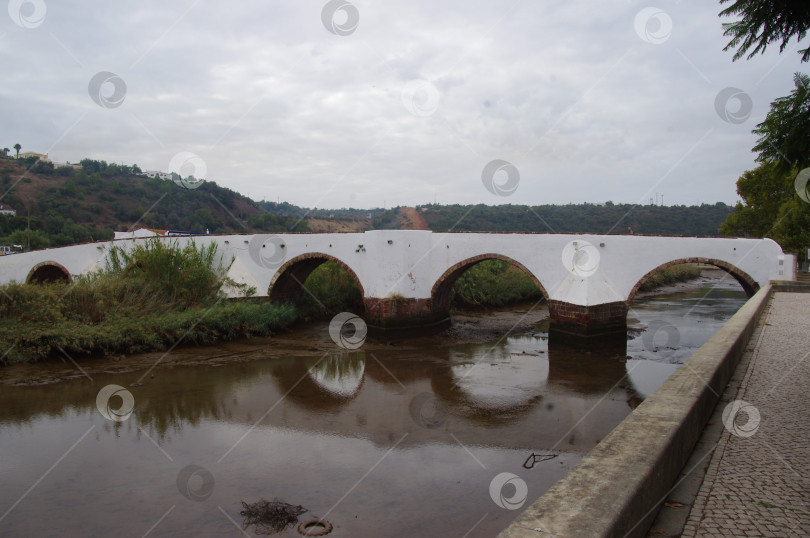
x=338, y=226
x=70, y=205
x=87, y=203
x=411, y=218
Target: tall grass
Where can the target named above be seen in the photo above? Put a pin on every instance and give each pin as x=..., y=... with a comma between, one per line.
x=671, y=275
x=186, y=276
x=147, y=299
x=493, y=283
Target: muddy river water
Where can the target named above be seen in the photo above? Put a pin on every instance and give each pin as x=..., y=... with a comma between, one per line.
x=404, y=439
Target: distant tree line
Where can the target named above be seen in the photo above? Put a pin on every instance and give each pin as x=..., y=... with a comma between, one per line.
x=704, y=219
x=291, y=210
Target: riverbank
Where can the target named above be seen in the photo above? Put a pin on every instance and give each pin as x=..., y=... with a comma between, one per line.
x=305, y=339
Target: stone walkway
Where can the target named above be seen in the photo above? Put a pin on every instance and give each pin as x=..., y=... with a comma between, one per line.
x=758, y=479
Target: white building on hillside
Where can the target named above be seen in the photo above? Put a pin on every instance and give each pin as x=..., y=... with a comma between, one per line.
x=40, y=156
x=140, y=232
x=158, y=174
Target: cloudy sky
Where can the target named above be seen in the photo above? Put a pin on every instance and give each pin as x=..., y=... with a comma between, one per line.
x=338, y=104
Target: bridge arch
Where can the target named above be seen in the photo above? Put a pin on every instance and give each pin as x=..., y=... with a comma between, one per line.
x=749, y=285
x=287, y=282
x=47, y=272
x=440, y=293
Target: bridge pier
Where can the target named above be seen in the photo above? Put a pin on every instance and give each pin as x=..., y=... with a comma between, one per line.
x=589, y=321
x=390, y=315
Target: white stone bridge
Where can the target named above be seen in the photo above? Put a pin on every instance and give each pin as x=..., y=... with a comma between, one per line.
x=406, y=276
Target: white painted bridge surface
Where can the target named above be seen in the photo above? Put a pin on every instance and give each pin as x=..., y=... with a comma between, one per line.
x=578, y=269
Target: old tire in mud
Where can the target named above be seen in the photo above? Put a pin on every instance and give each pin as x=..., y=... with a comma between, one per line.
x=315, y=527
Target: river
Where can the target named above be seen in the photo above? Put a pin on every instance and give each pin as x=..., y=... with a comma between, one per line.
x=393, y=439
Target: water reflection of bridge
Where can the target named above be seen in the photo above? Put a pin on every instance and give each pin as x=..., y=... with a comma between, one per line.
x=550, y=395
x=536, y=399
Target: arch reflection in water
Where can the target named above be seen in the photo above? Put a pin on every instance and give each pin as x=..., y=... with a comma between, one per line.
x=340, y=373
x=498, y=378
x=322, y=383
x=534, y=394
x=517, y=371
x=529, y=381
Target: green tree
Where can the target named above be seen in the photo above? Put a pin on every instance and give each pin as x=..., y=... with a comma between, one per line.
x=38, y=239
x=45, y=168
x=202, y=220
x=792, y=227
x=770, y=208
x=784, y=132
x=5, y=153
x=764, y=191
x=18, y=147
x=764, y=22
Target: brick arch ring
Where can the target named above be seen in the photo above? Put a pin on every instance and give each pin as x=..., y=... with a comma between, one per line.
x=440, y=293
x=292, y=274
x=749, y=285
x=48, y=271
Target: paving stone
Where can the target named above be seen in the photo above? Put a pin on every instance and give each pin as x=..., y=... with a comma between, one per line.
x=758, y=480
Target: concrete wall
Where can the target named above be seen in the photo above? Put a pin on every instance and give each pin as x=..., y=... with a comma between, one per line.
x=577, y=269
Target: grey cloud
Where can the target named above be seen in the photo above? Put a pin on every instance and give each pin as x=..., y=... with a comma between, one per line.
x=278, y=106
